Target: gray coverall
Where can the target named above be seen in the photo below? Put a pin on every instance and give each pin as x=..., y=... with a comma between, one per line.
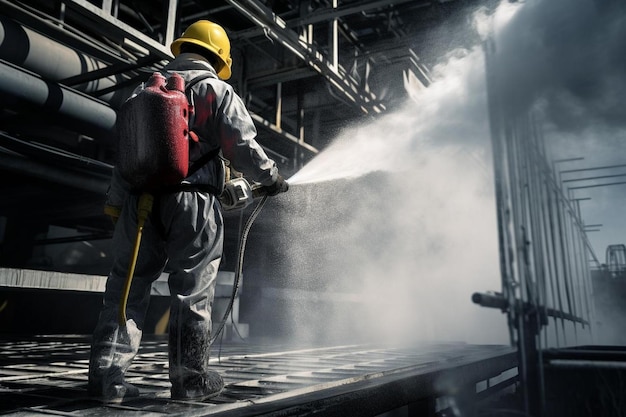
x=188, y=239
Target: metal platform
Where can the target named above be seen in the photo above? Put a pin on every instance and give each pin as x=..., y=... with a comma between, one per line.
x=47, y=375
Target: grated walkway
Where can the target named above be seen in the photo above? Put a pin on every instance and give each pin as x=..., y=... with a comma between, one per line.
x=47, y=375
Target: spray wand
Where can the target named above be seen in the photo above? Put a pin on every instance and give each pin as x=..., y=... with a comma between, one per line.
x=239, y=194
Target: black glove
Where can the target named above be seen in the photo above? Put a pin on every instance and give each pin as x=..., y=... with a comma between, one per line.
x=280, y=186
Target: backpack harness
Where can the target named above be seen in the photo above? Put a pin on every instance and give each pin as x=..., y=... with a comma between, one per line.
x=154, y=136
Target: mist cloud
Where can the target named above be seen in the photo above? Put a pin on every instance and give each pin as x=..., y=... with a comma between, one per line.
x=568, y=57
x=397, y=217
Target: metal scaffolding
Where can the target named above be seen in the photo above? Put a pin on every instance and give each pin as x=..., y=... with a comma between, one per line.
x=544, y=250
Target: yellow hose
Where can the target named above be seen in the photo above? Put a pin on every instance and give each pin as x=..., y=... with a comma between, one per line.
x=144, y=207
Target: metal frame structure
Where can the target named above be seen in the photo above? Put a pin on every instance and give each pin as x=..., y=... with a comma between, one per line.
x=544, y=250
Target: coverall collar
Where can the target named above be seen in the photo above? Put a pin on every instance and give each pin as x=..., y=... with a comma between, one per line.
x=191, y=61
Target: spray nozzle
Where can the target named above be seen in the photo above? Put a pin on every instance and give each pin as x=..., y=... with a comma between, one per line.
x=238, y=194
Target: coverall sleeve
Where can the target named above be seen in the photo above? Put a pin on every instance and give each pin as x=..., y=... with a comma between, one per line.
x=237, y=133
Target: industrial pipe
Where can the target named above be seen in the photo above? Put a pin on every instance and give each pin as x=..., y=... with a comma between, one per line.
x=491, y=300
x=52, y=60
x=24, y=88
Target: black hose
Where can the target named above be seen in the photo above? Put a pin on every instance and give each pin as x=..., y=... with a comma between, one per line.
x=242, y=246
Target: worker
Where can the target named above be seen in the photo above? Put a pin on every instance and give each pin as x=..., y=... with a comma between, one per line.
x=183, y=233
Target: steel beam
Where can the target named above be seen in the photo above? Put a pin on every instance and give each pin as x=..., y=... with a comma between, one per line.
x=170, y=19
x=283, y=134
x=113, y=26
x=276, y=28
x=338, y=12
x=332, y=13
x=273, y=77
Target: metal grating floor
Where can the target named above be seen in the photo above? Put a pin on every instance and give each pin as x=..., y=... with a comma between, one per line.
x=47, y=375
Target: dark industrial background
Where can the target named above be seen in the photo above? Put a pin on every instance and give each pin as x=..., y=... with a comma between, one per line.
x=307, y=70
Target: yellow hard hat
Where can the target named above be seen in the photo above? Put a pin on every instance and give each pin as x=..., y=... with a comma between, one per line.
x=212, y=37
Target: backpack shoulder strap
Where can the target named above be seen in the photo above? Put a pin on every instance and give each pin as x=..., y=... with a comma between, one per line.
x=213, y=153
x=202, y=160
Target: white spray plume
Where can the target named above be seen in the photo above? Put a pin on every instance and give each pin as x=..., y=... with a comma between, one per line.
x=414, y=241
x=565, y=60
x=438, y=116
x=397, y=219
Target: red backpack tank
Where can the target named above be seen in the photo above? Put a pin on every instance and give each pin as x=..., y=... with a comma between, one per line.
x=153, y=134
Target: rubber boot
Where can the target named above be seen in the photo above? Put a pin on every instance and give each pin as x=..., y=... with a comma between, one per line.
x=189, y=345
x=113, y=349
x=198, y=387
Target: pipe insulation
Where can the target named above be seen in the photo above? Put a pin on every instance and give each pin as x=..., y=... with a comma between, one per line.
x=52, y=60
x=93, y=117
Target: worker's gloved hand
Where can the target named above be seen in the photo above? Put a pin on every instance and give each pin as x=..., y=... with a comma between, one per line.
x=280, y=186
x=113, y=212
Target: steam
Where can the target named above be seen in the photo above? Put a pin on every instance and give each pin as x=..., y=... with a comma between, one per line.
x=571, y=70
x=395, y=221
x=567, y=56
x=565, y=60
x=451, y=112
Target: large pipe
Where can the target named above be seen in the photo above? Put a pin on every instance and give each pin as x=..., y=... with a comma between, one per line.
x=52, y=60
x=26, y=89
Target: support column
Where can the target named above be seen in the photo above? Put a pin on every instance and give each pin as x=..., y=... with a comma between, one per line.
x=333, y=48
x=279, y=104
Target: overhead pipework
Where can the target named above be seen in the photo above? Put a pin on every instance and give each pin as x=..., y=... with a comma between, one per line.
x=276, y=28
x=306, y=70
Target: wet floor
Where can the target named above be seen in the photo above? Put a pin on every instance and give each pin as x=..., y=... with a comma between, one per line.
x=47, y=375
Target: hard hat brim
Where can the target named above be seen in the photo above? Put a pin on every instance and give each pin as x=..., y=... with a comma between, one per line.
x=224, y=73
